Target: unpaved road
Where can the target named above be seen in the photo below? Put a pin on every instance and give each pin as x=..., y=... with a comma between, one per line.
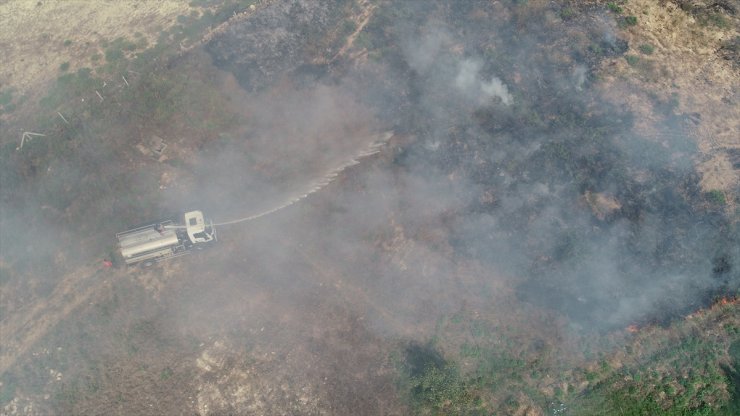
x=20, y=331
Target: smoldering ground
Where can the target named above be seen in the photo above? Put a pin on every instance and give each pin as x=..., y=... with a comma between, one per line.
x=509, y=150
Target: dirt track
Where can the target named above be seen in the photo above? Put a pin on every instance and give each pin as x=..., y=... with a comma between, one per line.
x=21, y=331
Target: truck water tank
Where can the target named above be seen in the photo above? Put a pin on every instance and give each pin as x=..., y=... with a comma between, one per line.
x=146, y=240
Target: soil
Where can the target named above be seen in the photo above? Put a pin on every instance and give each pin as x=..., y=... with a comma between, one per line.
x=31, y=324
x=685, y=64
x=34, y=34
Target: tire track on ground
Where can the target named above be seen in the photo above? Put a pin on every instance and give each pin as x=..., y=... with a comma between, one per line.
x=20, y=332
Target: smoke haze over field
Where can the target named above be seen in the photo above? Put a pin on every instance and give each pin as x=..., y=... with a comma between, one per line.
x=514, y=189
x=294, y=138
x=588, y=216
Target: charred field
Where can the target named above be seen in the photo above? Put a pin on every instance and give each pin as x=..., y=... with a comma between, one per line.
x=551, y=227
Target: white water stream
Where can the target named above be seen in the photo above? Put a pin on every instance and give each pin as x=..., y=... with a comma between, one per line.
x=321, y=183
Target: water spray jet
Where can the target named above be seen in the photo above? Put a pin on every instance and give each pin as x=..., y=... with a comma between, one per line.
x=321, y=183
x=159, y=241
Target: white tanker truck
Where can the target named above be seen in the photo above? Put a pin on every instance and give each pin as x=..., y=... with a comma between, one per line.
x=159, y=241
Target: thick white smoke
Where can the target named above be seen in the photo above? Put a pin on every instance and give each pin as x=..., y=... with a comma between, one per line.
x=470, y=83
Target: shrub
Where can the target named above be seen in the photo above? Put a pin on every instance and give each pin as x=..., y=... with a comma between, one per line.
x=614, y=7
x=595, y=49
x=715, y=19
x=716, y=197
x=632, y=59
x=113, y=54
x=166, y=373
x=647, y=49
x=442, y=389
x=64, y=67
x=630, y=21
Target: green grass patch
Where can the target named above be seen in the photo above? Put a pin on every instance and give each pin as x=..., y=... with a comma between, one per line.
x=348, y=26
x=732, y=372
x=684, y=378
x=68, y=395
x=113, y=54
x=567, y=13
x=7, y=390
x=6, y=97
x=142, y=43
x=363, y=41
x=716, y=197
x=5, y=275
x=115, y=51
x=443, y=390
x=7, y=108
x=433, y=385
x=470, y=351
x=715, y=19
x=69, y=86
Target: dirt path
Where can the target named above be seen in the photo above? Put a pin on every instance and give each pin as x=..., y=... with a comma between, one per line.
x=21, y=331
x=351, y=293
x=361, y=20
